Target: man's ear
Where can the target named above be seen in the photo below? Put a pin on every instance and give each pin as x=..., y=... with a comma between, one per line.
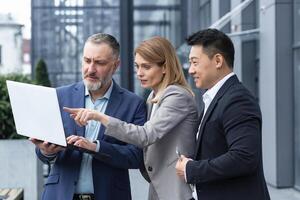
x=116, y=65
x=219, y=60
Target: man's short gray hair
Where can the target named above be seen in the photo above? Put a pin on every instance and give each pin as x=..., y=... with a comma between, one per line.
x=110, y=40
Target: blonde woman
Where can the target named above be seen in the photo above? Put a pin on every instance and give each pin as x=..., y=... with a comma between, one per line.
x=172, y=119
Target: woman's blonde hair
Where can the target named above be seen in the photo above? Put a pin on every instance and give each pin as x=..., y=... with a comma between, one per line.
x=160, y=51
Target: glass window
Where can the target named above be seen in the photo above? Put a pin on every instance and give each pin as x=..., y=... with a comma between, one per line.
x=60, y=29
x=157, y=18
x=297, y=22
x=205, y=14
x=297, y=115
x=297, y=90
x=224, y=8
x=0, y=55
x=162, y=18
x=249, y=16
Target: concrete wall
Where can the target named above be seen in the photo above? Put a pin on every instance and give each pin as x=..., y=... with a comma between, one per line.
x=237, y=27
x=20, y=168
x=276, y=83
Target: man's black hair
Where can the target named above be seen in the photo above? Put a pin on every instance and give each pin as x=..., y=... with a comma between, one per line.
x=214, y=41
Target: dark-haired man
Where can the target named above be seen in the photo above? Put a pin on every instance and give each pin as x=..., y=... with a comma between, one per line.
x=228, y=160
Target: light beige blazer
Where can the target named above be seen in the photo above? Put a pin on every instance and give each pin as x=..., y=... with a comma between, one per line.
x=173, y=124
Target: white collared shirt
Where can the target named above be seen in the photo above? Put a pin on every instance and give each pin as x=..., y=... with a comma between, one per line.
x=210, y=94
x=208, y=97
x=85, y=179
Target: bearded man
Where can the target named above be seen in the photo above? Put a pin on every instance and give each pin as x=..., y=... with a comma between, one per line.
x=76, y=175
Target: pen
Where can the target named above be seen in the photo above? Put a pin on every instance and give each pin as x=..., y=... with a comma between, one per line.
x=178, y=152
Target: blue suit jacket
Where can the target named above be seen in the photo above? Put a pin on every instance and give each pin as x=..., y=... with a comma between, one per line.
x=111, y=179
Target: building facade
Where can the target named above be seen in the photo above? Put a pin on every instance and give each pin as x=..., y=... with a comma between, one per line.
x=266, y=35
x=11, y=55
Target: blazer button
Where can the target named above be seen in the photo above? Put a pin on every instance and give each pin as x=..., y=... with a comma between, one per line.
x=150, y=169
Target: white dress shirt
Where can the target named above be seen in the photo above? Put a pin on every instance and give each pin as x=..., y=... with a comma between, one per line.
x=210, y=94
x=208, y=97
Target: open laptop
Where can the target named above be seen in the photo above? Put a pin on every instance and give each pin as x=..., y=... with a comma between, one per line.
x=37, y=115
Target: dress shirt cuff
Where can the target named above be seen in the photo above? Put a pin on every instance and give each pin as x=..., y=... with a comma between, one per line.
x=185, y=171
x=50, y=156
x=97, y=145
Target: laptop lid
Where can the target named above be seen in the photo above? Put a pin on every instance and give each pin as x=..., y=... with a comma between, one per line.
x=37, y=115
x=36, y=112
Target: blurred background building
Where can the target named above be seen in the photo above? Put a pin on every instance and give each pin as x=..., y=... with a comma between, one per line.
x=11, y=55
x=60, y=28
x=266, y=35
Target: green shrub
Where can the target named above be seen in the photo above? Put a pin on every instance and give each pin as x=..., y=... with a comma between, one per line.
x=7, y=126
x=41, y=74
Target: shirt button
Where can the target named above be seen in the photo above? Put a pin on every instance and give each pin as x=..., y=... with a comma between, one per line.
x=150, y=169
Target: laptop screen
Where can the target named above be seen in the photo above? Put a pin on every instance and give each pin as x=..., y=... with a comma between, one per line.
x=36, y=112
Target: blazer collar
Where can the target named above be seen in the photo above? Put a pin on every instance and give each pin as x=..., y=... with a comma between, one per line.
x=78, y=101
x=232, y=80
x=114, y=100
x=149, y=105
x=113, y=105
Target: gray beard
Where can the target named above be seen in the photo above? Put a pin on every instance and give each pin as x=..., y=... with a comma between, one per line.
x=92, y=86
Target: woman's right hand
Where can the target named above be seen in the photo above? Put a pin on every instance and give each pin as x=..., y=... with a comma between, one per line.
x=82, y=115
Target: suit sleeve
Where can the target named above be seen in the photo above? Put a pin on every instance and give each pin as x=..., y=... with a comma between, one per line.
x=44, y=158
x=173, y=110
x=241, y=123
x=126, y=156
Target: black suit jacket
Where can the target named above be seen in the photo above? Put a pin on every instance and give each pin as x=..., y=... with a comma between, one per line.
x=228, y=163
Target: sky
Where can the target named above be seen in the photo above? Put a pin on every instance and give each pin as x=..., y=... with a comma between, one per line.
x=20, y=11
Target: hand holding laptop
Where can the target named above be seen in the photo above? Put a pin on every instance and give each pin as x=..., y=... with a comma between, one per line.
x=46, y=147
x=40, y=119
x=50, y=149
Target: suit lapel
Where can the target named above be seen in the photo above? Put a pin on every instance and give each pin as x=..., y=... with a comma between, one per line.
x=198, y=131
x=112, y=106
x=79, y=102
x=149, y=105
x=232, y=80
x=149, y=109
